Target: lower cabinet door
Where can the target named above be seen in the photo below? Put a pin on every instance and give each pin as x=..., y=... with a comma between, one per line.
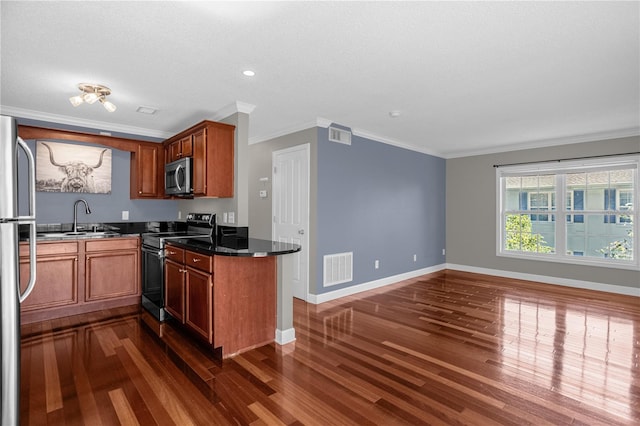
x=174, y=289
x=199, y=314
x=109, y=275
x=56, y=282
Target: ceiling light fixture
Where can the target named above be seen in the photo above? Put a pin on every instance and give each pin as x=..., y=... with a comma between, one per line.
x=92, y=93
x=394, y=114
x=249, y=73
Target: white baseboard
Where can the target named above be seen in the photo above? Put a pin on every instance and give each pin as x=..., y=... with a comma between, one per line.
x=348, y=291
x=588, y=285
x=285, y=336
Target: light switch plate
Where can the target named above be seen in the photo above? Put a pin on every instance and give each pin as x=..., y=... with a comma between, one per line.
x=125, y=214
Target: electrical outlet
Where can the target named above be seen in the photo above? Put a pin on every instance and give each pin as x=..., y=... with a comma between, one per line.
x=224, y=217
x=125, y=214
x=415, y=257
x=179, y=214
x=443, y=252
x=232, y=217
x=377, y=264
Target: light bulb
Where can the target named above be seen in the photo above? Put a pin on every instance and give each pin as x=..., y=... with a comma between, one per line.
x=76, y=100
x=91, y=97
x=108, y=105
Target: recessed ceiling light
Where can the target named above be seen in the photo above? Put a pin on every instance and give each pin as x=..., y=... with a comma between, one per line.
x=249, y=73
x=146, y=110
x=394, y=114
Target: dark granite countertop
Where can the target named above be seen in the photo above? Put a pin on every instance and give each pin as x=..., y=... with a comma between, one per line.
x=250, y=247
x=47, y=232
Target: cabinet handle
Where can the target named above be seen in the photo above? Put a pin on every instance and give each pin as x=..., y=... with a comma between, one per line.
x=196, y=260
x=171, y=252
x=139, y=192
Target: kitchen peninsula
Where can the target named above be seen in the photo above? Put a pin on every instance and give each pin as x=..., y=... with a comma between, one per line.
x=235, y=297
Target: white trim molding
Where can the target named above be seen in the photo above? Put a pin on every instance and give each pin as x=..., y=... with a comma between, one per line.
x=348, y=291
x=371, y=285
x=285, y=336
x=90, y=124
x=587, y=285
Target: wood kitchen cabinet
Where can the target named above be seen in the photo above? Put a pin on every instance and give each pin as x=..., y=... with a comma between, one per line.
x=188, y=290
x=147, y=171
x=174, y=282
x=212, y=152
x=179, y=148
x=198, y=294
x=147, y=158
x=108, y=268
x=56, y=275
x=79, y=276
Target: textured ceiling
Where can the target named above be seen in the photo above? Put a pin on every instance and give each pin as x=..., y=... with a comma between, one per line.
x=467, y=77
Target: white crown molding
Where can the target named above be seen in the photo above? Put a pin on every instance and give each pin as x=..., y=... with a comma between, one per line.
x=545, y=143
x=232, y=108
x=393, y=142
x=283, y=132
x=72, y=121
x=323, y=122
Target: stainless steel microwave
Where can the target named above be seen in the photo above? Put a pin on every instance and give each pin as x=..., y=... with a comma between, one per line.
x=178, y=177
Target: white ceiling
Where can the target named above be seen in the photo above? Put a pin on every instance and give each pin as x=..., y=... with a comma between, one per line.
x=467, y=77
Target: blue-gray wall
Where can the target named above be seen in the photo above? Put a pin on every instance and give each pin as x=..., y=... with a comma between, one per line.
x=58, y=207
x=379, y=202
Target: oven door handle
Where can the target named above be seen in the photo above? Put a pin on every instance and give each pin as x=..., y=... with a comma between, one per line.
x=154, y=251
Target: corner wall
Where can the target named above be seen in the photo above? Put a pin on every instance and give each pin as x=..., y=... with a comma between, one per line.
x=260, y=209
x=380, y=202
x=471, y=213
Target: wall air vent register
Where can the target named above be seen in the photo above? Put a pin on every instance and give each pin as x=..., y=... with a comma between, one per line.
x=338, y=268
x=339, y=135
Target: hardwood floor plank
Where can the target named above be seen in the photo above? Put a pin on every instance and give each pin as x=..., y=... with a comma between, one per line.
x=51, y=376
x=164, y=394
x=448, y=348
x=122, y=407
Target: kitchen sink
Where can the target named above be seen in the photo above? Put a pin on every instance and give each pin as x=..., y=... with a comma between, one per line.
x=77, y=234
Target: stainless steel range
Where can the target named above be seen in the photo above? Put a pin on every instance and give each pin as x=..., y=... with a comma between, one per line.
x=198, y=225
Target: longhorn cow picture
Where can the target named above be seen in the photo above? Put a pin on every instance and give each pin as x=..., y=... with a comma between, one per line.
x=64, y=167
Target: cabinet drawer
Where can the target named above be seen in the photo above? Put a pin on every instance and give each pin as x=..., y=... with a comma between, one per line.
x=48, y=248
x=174, y=253
x=199, y=261
x=111, y=244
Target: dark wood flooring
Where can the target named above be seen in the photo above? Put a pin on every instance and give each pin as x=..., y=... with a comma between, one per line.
x=445, y=348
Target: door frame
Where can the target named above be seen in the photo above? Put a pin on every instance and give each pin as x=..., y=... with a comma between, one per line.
x=306, y=147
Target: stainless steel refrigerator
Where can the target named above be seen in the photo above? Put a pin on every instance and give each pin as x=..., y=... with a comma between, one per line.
x=10, y=292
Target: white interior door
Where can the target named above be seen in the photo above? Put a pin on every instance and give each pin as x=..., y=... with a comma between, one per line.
x=291, y=209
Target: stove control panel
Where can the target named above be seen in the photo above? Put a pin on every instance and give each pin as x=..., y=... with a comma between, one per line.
x=201, y=219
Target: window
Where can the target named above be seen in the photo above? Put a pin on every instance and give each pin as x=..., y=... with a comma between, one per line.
x=538, y=207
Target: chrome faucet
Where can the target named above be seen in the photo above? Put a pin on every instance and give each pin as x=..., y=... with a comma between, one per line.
x=87, y=210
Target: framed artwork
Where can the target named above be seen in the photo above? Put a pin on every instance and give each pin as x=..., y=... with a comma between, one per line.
x=62, y=167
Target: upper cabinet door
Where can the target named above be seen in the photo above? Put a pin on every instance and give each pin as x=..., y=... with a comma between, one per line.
x=211, y=146
x=200, y=163
x=146, y=174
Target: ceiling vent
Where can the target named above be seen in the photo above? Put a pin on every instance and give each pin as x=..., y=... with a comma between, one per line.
x=339, y=135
